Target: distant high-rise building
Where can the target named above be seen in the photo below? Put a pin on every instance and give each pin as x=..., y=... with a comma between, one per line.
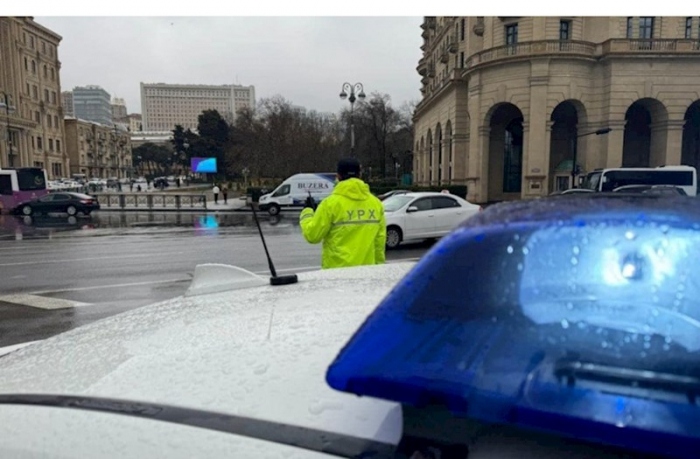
x=68, y=103
x=92, y=103
x=118, y=109
x=163, y=106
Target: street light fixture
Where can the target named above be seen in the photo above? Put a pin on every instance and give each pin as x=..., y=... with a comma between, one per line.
x=5, y=103
x=574, y=145
x=344, y=95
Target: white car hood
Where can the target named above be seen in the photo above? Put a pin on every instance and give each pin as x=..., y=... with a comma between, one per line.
x=259, y=352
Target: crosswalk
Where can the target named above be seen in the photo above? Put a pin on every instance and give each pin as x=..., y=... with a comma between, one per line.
x=41, y=302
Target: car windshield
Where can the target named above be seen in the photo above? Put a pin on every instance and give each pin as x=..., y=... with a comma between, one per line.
x=394, y=203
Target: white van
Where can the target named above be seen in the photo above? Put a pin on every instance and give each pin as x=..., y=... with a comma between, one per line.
x=294, y=191
x=606, y=180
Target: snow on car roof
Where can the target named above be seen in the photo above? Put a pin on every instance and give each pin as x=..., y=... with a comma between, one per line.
x=260, y=352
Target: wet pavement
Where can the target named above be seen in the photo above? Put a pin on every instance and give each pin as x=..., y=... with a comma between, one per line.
x=63, y=272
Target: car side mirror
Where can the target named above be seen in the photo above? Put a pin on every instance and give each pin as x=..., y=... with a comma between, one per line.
x=412, y=209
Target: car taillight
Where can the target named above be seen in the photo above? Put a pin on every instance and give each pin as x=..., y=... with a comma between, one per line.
x=86, y=201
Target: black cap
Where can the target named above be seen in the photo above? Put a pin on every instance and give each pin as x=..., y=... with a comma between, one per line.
x=348, y=168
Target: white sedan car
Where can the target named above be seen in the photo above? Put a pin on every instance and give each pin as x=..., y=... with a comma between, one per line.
x=427, y=215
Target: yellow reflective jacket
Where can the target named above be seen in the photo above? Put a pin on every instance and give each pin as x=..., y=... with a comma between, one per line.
x=351, y=224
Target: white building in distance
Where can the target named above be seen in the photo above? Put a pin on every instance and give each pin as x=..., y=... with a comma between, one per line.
x=163, y=106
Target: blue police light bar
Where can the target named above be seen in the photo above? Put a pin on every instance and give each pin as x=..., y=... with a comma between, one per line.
x=577, y=316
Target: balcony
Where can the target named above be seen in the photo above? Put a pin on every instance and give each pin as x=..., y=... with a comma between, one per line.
x=444, y=57
x=453, y=47
x=431, y=71
x=530, y=49
x=654, y=45
x=431, y=22
x=422, y=67
x=584, y=49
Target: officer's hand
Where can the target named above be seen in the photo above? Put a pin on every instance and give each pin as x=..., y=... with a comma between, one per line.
x=310, y=203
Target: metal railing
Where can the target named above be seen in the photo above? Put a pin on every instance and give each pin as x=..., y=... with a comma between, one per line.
x=532, y=48
x=584, y=48
x=151, y=201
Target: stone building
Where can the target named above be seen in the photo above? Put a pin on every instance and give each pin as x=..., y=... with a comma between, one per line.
x=508, y=100
x=31, y=115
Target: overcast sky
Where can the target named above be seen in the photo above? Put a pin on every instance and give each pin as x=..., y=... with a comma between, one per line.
x=306, y=60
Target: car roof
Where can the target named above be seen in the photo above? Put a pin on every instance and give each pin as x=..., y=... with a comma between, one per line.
x=422, y=194
x=260, y=352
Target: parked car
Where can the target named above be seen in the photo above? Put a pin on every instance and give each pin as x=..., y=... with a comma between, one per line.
x=525, y=334
x=160, y=182
x=68, y=202
x=426, y=215
x=391, y=193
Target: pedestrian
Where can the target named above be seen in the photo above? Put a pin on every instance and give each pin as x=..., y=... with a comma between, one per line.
x=177, y=181
x=350, y=222
x=131, y=186
x=224, y=190
x=138, y=187
x=215, y=190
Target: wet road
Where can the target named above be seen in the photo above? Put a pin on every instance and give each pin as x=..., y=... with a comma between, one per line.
x=57, y=273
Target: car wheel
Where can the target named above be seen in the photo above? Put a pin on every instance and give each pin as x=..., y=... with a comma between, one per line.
x=393, y=237
x=71, y=210
x=274, y=209
x=26, y=210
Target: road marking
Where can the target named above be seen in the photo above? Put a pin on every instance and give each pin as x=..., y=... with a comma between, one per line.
x=41, y=302
x=68, y=260
x=106, y=286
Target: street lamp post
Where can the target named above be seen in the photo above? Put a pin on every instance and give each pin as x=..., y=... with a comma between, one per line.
x=344, y=95
x=245, y=173
x=574, y=145
x=8, y=108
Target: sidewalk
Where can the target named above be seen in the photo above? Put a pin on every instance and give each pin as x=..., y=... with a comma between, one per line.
x=233, y=204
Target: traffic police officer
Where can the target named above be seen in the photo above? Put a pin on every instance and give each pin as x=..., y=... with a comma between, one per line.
x=350, y=222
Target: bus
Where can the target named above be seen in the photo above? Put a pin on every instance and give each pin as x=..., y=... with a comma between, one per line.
x=607, y=180
x=20, y=185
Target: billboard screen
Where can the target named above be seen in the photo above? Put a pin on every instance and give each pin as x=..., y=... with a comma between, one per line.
x=204, y=165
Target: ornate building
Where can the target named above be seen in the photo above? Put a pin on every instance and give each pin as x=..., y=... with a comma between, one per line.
x=508, y=101
x=31, y=115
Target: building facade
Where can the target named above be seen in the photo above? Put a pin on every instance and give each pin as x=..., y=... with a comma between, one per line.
x=135, y=122
x=92, y=103
x=508, y=101
x=31, y=115
x=163, y=106
x=97, y=150
x=118, y=109
x=67, y=97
